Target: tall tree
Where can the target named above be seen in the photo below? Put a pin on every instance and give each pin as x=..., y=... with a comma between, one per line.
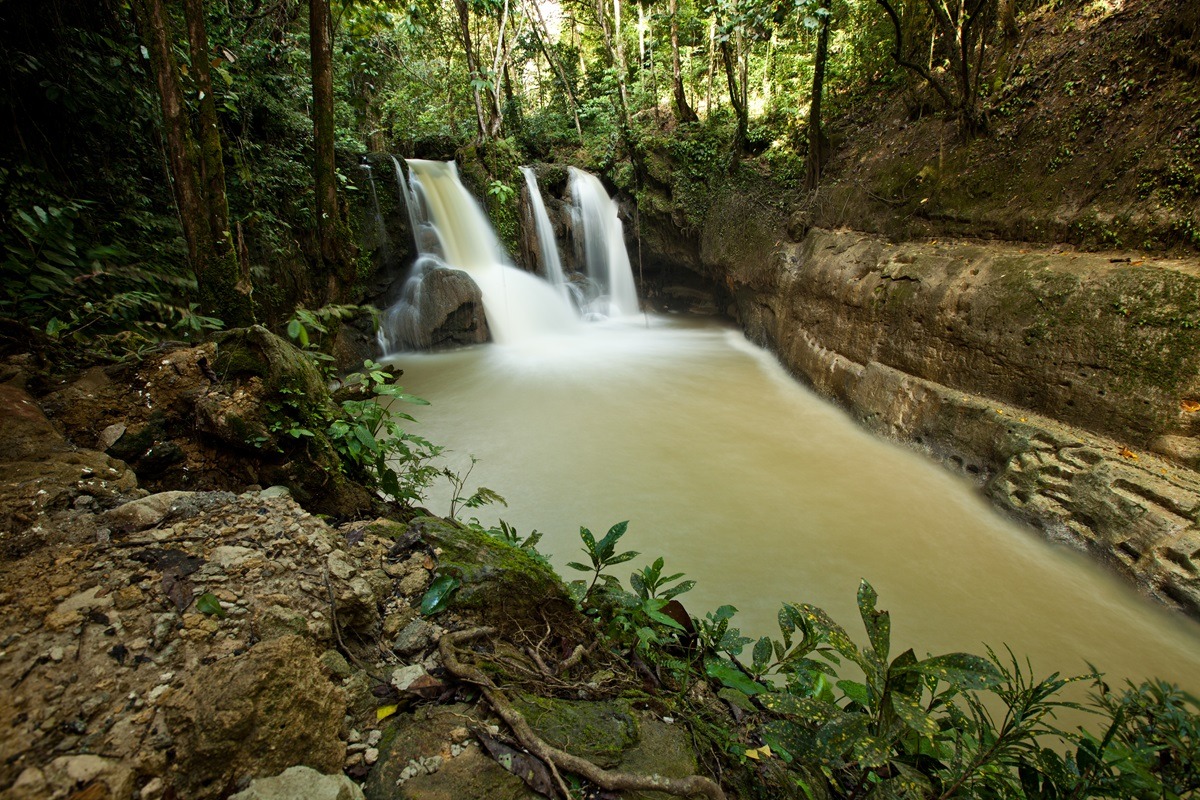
x=962, y=28
x=818, y=142
x=198, y=175
x=683, y=111
x=337, y=262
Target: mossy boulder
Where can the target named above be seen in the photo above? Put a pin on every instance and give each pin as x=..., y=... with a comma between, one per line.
x=598, y=730
x=502, y=585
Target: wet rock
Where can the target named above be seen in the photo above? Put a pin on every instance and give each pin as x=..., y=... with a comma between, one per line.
x=144, y=513
x=445, y=309
x=255, y=715
x=301, y=783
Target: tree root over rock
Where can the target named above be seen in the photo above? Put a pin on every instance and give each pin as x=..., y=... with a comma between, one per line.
x=555, y=758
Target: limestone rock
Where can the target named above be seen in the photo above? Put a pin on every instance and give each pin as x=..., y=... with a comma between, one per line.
x=70, y=773
x=255, y=715
x=442, y=308
x=147, y=512
x=301, y=783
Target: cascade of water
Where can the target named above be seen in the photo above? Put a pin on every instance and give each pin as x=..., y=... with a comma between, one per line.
x=603, y=247
x=385, y=242
x=549, y=247
x=454, y=232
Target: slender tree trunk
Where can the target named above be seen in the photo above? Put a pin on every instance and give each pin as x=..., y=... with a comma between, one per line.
x=464, y=32
x=338, y=266
x=543, y=40
x=217, y=277
x=499, y=64
x=712, y=62
x=730, y=60
x=818, y=142
x=683, y=111
x=239, y=304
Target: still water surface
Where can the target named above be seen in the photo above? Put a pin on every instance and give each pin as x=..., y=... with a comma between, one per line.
x=765, y=493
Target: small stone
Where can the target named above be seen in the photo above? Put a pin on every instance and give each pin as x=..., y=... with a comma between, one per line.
x=275, y=491
x=404, y=677
x=373, y=737
x=301, y=782
x=415, y=637
x=57, y=654
x=109, y=436
x=371, y=755
x=127, y=597
x=337, y=665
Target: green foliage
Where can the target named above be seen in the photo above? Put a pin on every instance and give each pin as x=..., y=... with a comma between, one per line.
x=369, y=436
x=602, y=555
x=482, y=496
x=951, y=725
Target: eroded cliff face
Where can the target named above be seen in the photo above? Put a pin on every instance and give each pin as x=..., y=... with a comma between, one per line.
x=1067, y=385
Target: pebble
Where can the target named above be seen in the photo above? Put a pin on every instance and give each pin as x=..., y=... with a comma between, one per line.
x=371, y=755
x=57, y=654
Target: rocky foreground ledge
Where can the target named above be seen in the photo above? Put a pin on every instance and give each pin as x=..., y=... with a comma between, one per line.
x=212, y=644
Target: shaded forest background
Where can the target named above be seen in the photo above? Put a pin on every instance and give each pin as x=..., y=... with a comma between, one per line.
x=1064, y=121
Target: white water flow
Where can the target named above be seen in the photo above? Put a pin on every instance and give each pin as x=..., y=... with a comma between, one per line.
x=603, y=247
x=519, y=306
x=545, y=233
x=764, y=493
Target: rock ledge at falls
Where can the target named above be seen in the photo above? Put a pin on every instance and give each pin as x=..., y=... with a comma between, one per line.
x=1067, y=385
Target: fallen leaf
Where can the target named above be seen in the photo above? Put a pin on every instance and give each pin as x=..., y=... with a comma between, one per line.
x=208, y=603
x=1190, y=406
x=1127, y=453
x=383, y=712
x=177, y=588
x=530, y=769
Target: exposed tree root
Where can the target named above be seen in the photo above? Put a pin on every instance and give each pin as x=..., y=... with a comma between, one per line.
x=695, y=785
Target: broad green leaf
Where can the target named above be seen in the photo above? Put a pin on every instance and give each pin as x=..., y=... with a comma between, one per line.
x=820, y=623
x=963, y=670
x=731, y=676
x=678, y=589
x=856, y=691
x=621, y=558
x=737, y=698
x=878, y=623
x=808, y=709
x=208, y=603
x=439, y=594
x=762, y=653
x=908, y=709
x=588, y=539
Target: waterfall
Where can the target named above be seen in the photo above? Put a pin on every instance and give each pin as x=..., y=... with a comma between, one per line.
x=453, y=232
x=603, y=247
x=549, y=247
x=385, y=242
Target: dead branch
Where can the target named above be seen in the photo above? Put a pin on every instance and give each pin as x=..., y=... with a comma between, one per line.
x=555, y=758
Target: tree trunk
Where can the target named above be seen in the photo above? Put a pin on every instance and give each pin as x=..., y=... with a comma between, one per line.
x=683, y=112
x=338, y=267
x=542, y=37
x=464, y=32
x=818, y=142
x=217, y=278
x=729, y=59
x=234, y=286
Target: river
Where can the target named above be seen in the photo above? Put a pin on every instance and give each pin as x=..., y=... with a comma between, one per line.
x=763, y=493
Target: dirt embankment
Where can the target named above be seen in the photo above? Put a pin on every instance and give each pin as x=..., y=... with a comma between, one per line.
x=1094, y=141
